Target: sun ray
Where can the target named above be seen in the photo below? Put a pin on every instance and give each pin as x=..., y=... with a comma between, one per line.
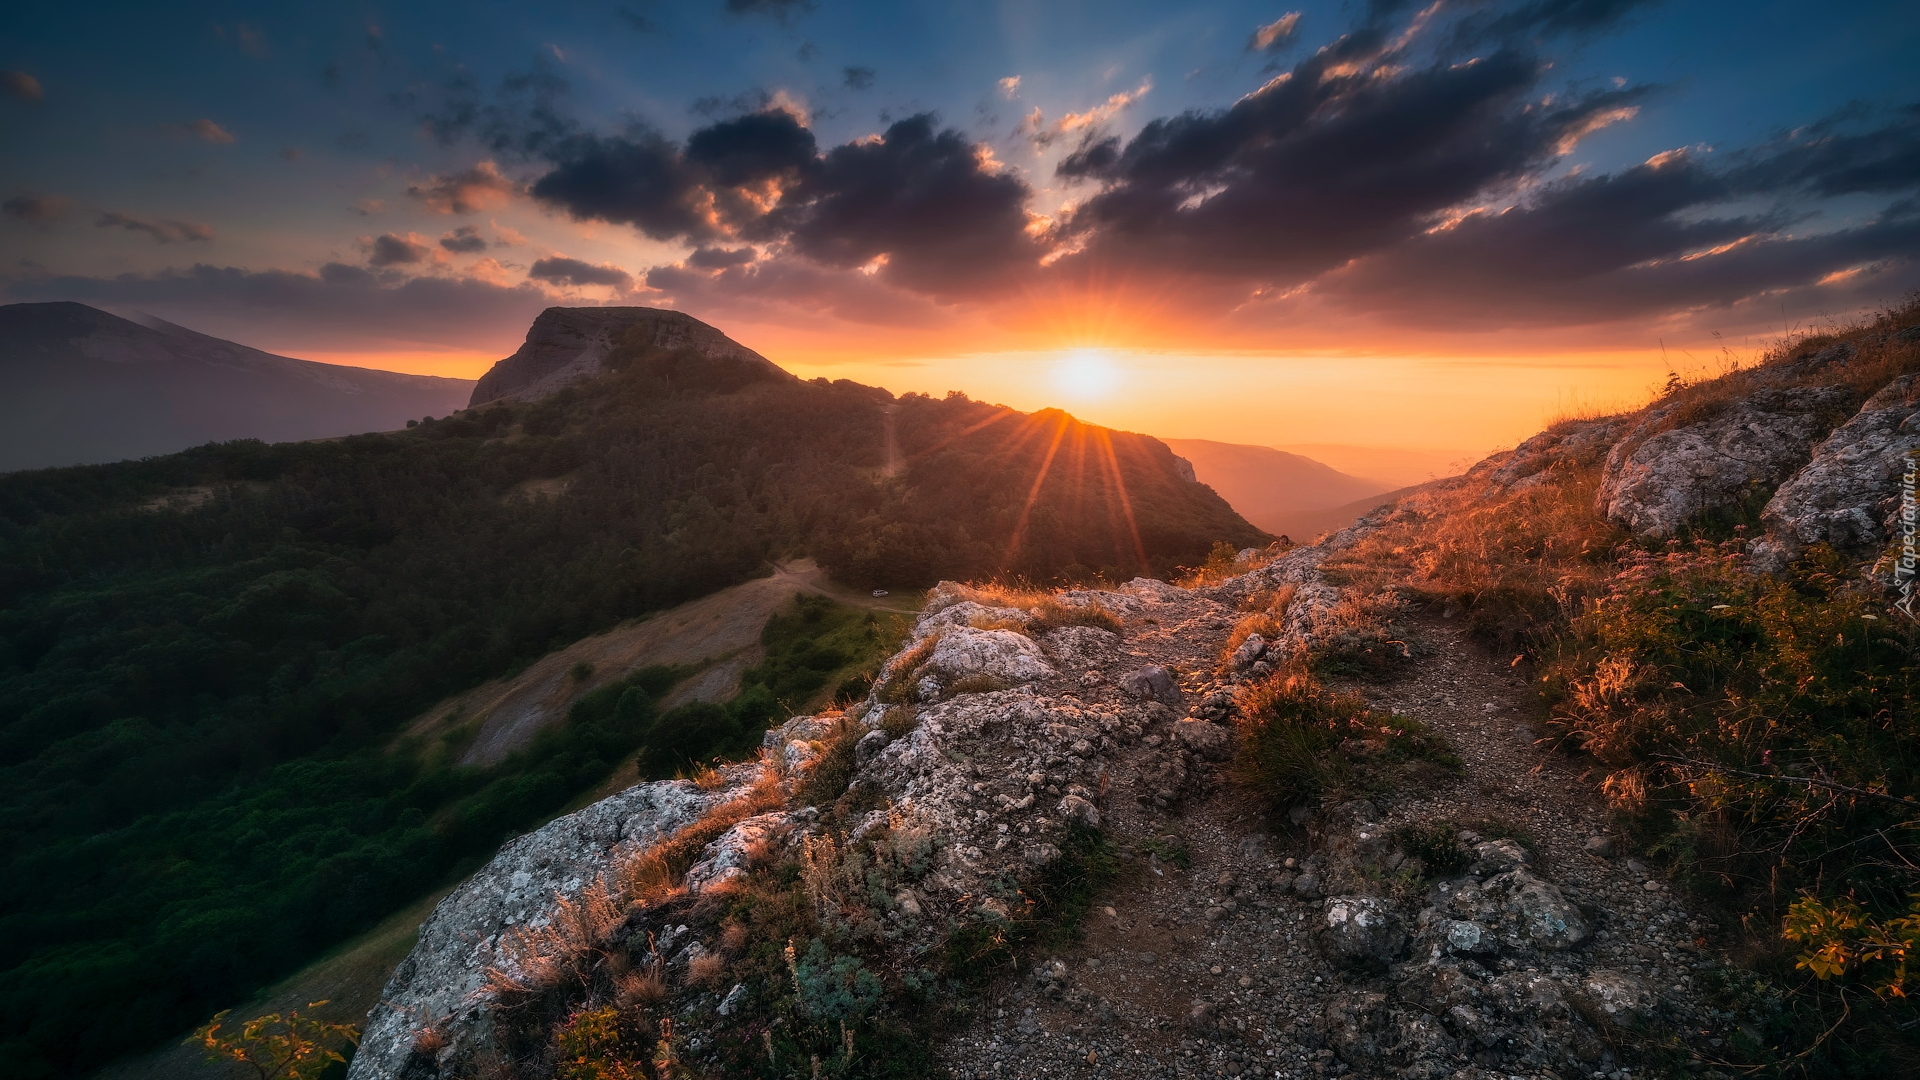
x=1033, y=493
x=1125, y=500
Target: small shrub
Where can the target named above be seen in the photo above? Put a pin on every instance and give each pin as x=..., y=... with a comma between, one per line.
x=276, y=1047
x=1290, y=729
x=833, y=988
x=1169, y=850
x=1434, y=843
x=594, y=1044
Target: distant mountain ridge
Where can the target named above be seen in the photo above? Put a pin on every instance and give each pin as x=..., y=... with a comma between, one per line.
x=1283, y=493
x=83, y=386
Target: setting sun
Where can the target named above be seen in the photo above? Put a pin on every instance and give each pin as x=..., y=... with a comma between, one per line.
x=1086, y=375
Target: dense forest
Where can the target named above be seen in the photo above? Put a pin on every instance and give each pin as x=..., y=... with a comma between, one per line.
x=204, y=657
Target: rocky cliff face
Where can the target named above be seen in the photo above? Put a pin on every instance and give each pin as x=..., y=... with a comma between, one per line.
x=565, y=345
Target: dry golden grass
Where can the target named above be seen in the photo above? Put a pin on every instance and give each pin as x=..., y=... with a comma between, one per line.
x=707, y=969
x=641, y=988
x=660, y=871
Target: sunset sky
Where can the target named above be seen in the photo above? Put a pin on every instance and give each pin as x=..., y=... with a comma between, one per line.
x=1379, y=224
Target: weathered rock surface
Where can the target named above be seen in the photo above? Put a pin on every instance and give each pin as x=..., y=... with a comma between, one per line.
x=442, y=982
x=1660, y=477
x=565, y=345
x=1849, y=493
x=1153, y=683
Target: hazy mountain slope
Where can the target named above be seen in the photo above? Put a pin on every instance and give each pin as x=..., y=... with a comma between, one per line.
x=1302, y=526
x=83, y=386
x=1271, y=487
x=1389, y=466
x=197, y=694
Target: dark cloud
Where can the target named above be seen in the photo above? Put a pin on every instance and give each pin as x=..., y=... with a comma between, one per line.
x=464, y=240
x=1828, y=160
x=339, y=307
x=924, y=201
x=1338, y=157
x=857, y=78
x=714, y=258
x=163, y=230
x=1276, y=35
x=392, y=249
x=35, y=208
x=1655, y=238
x=561, y=270
x=469, y=191
x=638, y=179
x=645, y=180
x=22, y=85
x=752, y=148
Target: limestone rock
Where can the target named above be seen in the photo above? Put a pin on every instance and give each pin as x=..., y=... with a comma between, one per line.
x=1153, y=683
x=1209, y=742
x=1362, y=929
x=565, y=345
x=1849, y=492
x=1000, y=655
x=1660, y=477
x=726, y=858
x=442, y=980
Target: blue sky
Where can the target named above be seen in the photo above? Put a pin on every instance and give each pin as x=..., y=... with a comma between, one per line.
x=405, y=185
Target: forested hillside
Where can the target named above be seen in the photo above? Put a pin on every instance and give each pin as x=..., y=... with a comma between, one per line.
x=203, y=657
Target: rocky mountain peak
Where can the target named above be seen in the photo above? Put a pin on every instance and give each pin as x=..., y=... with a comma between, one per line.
x=565, y=345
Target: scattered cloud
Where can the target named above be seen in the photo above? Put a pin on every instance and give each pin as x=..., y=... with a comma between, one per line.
x=22, y=85
x=392, y=249
x=464, y=240
x=561, y=270
x=1043, y=134
x=1275, y=35
x=35, y=208
x=368, y=207
x=206, y=131
x=858, y=78
x=636, y=20
x=163, y=230
x=290, y=153
x=469, y=191
x=1009, y=87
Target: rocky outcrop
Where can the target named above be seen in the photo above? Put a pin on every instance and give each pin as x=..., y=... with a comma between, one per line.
x=1663, y=475
x=1849, y=494
x=565, y=345
x=442, y=984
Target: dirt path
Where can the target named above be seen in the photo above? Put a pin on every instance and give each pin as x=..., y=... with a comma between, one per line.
x=1212, y=971
x=719, y=633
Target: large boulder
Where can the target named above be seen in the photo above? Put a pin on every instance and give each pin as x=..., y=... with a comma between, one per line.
x=443, y=982
x=996, y=658
x=1665, y=474
x=1849, y=493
